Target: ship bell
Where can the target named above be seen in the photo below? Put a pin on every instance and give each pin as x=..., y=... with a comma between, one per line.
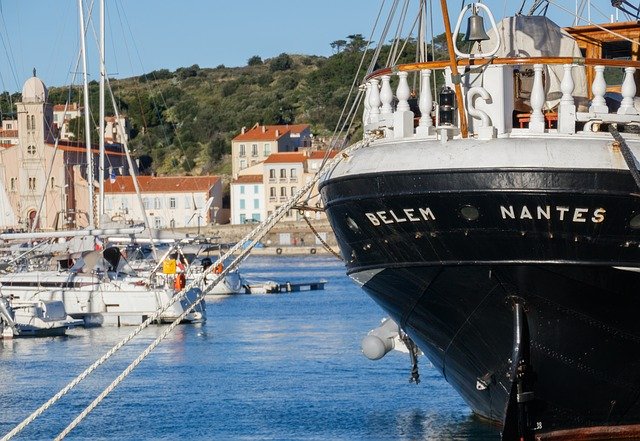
x=475, y=28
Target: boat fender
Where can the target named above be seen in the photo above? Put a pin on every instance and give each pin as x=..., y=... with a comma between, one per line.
x=180, y=281
x=378, y=342
x=278, y=250
x=313, y=251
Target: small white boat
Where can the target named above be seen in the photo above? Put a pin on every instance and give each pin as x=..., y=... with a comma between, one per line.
x=34, y=319
x=231, y=283
x=262, y=288
x=102, y=289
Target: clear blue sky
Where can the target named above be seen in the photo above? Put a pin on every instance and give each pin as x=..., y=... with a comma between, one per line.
x=144, y=35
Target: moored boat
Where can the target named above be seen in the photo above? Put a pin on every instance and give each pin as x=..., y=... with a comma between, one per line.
x=102, y=290
x=497, y=221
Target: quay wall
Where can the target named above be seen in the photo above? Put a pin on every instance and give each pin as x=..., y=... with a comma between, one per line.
x=286, y=238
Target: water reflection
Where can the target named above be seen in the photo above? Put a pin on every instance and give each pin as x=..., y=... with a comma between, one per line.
x=285, y=367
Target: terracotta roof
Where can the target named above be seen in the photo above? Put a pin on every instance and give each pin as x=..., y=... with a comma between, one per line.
x=320, y=154
x=71, y=107
x=278, y=158
x=161, y=184
x=9, y=133
x=269, y=133
x=72, y=146
x=248, y=179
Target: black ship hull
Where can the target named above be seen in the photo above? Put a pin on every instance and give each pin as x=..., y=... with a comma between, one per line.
x=470, y=262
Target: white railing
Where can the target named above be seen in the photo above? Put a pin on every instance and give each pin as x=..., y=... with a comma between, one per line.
x=397, y=121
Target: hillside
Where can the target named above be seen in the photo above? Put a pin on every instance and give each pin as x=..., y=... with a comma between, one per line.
x=183, y=121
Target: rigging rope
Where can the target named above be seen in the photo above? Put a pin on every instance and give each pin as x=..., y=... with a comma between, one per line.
x=627, y=154
x=254, y=237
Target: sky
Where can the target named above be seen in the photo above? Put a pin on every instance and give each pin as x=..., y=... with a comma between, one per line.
x=145, y=35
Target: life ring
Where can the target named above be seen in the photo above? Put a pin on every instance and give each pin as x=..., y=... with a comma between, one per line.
x=312, y=251
x=278, y=250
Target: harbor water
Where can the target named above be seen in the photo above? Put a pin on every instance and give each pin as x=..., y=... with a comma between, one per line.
x=263, y=367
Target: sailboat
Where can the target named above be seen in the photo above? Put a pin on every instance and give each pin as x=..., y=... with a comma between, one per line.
x=495, y=217
x=97, y=285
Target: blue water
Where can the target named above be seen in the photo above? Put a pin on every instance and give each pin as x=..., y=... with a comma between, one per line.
x=263, y=367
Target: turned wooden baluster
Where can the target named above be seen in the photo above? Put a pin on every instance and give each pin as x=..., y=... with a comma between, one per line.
x=425, y=103
x=599, y=88
x=536, y=122
x=567, y=108
x=403, y=92
x=628, y=93
x=386, y=96
x=366, y=115
x=403, y=118
x=374, y=101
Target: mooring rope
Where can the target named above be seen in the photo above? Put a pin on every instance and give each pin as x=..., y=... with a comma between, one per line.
x=252, y=238
x=322, y=241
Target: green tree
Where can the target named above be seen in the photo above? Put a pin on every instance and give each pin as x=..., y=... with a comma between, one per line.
x=356, y=43
x=281, y=62
x=338, y=45
x=254, y=61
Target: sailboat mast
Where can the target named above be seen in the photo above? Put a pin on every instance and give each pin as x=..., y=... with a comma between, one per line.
x=455, y=76
x=87, y=125
x=101, y=148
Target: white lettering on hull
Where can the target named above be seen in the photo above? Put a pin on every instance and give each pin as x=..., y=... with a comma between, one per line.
x=561, y=213
x=509, y=212
x=408, y=215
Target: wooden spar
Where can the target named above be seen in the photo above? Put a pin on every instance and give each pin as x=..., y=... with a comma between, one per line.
x=455, y=77
x=410, y=67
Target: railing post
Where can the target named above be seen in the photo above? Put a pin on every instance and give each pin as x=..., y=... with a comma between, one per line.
x=425, y=103
x=536, y=122
x=367, y=106
x=598, y=88
x=386, y=96
x=374, y=102
x=628, y=93
x=567, y=107
x=403, y=117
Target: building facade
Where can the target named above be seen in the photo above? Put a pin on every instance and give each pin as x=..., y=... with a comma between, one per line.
x=168, y=201
x=44, y=182
x=248, y=192
x=254, y=145
x=281, y=176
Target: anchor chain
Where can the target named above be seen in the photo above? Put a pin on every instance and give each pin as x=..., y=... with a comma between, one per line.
x=413, y=355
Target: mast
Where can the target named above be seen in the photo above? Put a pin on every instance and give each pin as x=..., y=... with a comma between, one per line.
x=455, y=76
x=101, y=148
x=87, y=125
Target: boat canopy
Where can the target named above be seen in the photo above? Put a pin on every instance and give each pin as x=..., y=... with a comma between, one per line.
x=108, y=260
x=537, y=36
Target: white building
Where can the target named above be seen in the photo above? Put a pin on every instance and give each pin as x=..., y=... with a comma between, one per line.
x=169, y=201
x=247, y=192
x=252, y=146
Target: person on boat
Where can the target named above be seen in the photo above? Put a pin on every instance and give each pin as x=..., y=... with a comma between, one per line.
x=206, y=264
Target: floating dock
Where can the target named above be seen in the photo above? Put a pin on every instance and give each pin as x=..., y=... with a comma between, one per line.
x=275, y=287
